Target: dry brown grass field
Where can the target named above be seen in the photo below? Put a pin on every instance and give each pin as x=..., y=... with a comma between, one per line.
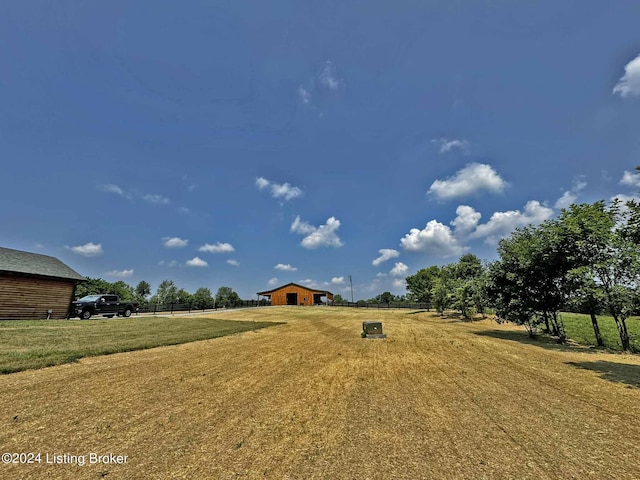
x=438, y=399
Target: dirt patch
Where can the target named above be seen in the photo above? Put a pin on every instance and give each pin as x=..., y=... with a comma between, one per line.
x=312, y=400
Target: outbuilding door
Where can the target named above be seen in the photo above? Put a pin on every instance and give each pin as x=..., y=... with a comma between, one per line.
x=292, y=298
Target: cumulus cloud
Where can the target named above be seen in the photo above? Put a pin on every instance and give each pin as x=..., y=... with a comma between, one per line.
x=399, y=270
x=569, y=197
x=196, y=262
x=88, y=249
x=447, y=145
x=316, y=237
x=262, y=183
x=337, y=280
x=217, y=248
x=174, y=242
x=629, y=83
x=502, y=224
x=120, y=273
x=285, y=268
x=399, y=283
x=235, y=263
x=156, y=199
x=284, y=191
x=385, y=254
x=273, y=281
x=622, y=198
x=111, y=188
x=472, y=179
x=631, y=179
x=466, y=220
x=435, y=238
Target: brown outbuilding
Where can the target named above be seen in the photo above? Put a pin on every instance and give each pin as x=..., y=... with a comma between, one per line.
x=294, y=294
x=34, y=286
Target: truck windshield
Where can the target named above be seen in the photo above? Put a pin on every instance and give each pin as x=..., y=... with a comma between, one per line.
x=89, y=298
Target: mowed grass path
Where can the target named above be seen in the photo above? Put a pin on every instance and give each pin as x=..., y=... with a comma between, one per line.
x=437, y=399
x=32, y=344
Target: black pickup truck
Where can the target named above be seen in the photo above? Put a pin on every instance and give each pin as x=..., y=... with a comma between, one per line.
x=105, y=305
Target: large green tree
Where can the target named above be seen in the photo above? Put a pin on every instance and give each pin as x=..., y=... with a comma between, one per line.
x=420, y=285
x=203, y=298
x=226, y=297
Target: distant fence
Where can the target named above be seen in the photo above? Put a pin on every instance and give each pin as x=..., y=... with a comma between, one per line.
x=413, y=306
x=187, y=307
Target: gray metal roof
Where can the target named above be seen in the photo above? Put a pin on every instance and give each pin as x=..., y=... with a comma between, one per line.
x=16, y=261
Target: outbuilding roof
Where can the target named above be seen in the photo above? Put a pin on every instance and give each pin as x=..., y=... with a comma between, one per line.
x=269, y=292
x=17, y=261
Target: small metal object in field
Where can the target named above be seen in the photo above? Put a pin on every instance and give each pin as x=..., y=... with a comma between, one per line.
x=372, y=329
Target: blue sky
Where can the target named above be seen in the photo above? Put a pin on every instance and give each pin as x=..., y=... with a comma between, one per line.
x=252, y=144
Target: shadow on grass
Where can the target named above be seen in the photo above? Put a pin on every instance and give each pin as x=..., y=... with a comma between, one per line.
x=614, y=372
x=419, y=311
x=540, y=341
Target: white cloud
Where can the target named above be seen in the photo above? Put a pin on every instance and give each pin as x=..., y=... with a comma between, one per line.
x=284, y=190
x=171, y=263
x=466, y=220
x=385, y=254
x=502, y=224
x=631, y=179
x=328, y=78
x=629, y=83
x=399, y=270
x=337, y=280
x=196, y=262
x=624, y=198
x=285, y=268
x=567, y=199
x=316, y=237
x=472, y=179
x=399, y=283
x=570, y=196
x=217, y=248
x=174, y=242
x=262, y=182
x=111, y=188
x=88, y=249
x=304, y=94
x=447, y=145
x=156, y=199
x=273, y=281
x=381, y=274
x=435, y=238
x=235, y=263
x=120, y=273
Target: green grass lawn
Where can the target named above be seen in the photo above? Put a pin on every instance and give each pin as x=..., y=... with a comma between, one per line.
x=31, y=344
x=579, y=329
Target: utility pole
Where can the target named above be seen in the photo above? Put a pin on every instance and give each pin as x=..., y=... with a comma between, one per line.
x=351, y=283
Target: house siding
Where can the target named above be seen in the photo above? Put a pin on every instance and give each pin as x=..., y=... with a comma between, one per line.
x=24, y=297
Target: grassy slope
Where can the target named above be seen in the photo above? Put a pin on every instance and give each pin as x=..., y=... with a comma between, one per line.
x=579, y=329
x=439, y=398
x=32, y=344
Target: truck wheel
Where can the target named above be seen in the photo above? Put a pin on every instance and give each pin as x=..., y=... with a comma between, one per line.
x=127, y=312
x=86, y=315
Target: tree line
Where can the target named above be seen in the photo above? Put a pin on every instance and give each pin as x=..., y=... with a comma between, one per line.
x=167, y=293
x=586, y=260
